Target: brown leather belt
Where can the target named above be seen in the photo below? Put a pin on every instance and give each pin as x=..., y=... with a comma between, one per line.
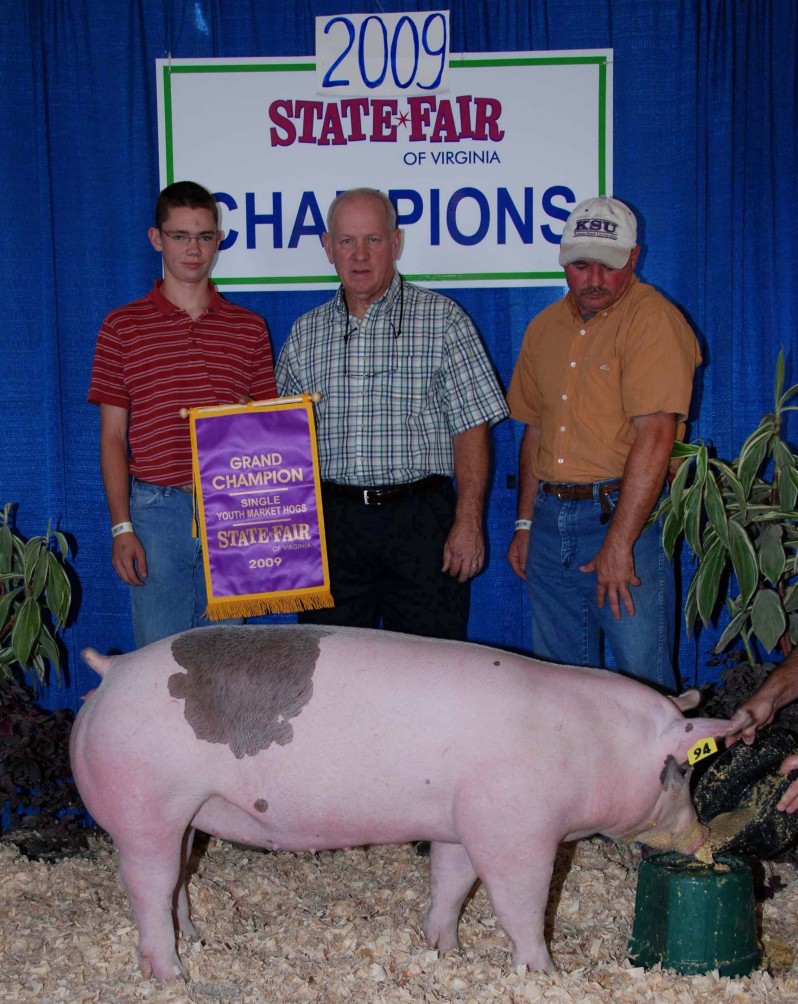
x=578, y=493
x=387, y=493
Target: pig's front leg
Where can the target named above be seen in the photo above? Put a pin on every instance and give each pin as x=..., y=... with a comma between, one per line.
x=451, y=877
x=517, y=875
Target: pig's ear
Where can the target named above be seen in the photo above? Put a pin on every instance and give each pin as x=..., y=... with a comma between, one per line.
x=688, y=700
x=692, y=733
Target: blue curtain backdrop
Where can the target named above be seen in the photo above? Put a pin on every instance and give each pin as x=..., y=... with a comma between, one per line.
x=705, y=151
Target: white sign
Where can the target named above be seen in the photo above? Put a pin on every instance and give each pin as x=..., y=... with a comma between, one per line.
x=483, y=176
x=382, y=53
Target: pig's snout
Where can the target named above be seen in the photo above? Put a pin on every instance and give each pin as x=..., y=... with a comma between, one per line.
x=690, y=841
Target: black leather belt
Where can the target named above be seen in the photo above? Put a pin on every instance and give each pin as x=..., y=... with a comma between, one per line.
x=388, y=493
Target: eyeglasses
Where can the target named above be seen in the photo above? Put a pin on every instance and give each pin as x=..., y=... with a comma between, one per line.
x=179, y=237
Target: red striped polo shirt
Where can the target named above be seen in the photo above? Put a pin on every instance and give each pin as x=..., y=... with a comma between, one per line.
x=153, y=359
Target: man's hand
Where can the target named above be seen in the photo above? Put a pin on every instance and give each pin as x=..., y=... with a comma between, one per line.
x=615, y=573
x=517, y=552
x=643, y=478
x=129, y=559
x=778, y=690
x=789, y=800
x=464, y=550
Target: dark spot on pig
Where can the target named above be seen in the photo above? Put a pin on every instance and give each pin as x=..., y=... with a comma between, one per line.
x=689, y=727
x=427, y=781
x=497, y=663
x=243, y=684
x=261, y=805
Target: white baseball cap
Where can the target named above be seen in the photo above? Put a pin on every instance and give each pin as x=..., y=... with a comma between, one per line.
x=602, y=229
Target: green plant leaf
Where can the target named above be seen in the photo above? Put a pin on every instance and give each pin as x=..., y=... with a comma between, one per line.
x=790, y=598
x=708, y=577
x=686, y=449
x=768, y=618
x=794, y=628
x=678, y=487
x=26, y=630
x=730, y=485
x=40, y=573
x=788, y=488
x=32, y=550
x=746, y=567
x=63, y=544
x=772, y=558
x=691, y=605
x=6, y=607
x=716, y=511
x=701, y=466
x=692, y=519
x=59, y=590
x=782, y=455
x=6, y=549
x=731, y=631
x=49, y=649
x=671, y=529
x=753, y=453
x=779, y=386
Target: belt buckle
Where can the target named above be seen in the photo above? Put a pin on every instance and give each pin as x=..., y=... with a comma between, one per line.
x=366, y=501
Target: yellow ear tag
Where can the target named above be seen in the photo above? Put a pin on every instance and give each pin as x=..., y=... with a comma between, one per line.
x=703, y=748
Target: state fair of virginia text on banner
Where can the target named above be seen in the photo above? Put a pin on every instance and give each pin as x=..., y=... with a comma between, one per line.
x=259, y=506
x=483, y=175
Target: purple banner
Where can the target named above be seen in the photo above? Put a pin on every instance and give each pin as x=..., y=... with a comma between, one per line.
x=263, y=532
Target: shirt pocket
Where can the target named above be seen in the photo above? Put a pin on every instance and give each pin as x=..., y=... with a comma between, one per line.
x=600, y=386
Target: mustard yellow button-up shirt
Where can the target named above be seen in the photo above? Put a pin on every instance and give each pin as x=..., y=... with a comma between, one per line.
x=583, y=382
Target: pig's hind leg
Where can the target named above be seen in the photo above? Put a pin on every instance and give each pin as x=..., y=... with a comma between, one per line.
x=451, y=878
x=151, y=870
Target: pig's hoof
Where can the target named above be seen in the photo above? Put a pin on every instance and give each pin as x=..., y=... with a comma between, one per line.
x=189, y=932
x=169, y=972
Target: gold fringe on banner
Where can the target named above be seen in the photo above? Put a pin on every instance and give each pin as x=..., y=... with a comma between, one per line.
x=219, y=610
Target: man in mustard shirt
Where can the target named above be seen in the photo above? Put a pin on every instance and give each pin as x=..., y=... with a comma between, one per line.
x=603, y=383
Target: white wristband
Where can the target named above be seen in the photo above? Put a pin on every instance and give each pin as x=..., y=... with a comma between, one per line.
x=121, y=528
x=523, y=524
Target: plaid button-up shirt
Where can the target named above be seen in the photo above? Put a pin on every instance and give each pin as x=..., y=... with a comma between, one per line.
x=395, y=386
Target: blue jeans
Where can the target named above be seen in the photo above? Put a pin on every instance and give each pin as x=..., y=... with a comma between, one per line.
x=568, y=624
x=173, y=597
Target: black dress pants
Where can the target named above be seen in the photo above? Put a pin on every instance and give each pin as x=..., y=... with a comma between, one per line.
x=385, y=565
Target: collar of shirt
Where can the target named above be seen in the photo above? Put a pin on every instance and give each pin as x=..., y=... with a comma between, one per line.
x=166, y=306
x=569, y=299
x=384, y=305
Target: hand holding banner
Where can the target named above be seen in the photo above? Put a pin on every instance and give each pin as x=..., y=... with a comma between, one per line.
x=259, y=507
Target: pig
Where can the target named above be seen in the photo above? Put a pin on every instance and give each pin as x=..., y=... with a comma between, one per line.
x=303, y=738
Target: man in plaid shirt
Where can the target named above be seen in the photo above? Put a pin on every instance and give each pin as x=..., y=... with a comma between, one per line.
x=408, y=397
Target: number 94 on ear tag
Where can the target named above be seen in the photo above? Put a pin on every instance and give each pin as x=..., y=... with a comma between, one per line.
x=703, y=748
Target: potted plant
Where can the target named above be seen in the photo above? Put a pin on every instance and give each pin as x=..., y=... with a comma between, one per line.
x=38, y=799
x=739, y=519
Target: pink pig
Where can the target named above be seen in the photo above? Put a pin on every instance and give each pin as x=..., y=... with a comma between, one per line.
x=303, y=738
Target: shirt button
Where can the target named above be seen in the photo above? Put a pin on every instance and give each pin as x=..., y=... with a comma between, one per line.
x=560, y=460
x=582, y=332
x=562, y=428
x=572, y=365
x=565, y=397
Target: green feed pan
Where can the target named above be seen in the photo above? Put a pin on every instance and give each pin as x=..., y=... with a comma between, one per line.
x=695, y=918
